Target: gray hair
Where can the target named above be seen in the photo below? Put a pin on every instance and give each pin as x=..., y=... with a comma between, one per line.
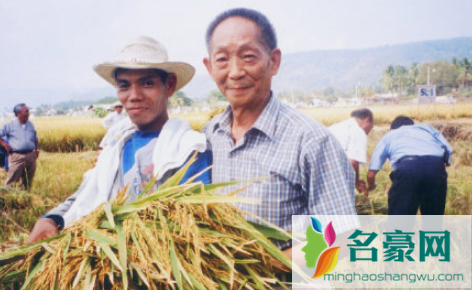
x=268, y=37
x=18, y=108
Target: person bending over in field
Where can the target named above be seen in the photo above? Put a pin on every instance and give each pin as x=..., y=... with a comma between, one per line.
x=156, y=145
x=352, y=135
x=418, y=154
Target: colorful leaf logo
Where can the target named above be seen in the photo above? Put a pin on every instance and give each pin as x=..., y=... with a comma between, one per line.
x=326, y=262
x=317, y=251
x=316, y=225
x=329, y=234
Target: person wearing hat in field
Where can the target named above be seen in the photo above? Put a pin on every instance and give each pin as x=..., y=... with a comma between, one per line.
x=22, y=147
x=114, y=117
x=154, y=145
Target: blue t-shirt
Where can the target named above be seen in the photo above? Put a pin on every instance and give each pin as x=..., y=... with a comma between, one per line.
x=142, y=139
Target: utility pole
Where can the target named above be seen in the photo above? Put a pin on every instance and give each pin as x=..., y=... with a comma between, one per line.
x=427, y=79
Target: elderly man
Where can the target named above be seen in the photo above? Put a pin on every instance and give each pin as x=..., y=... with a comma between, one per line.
x=156, y=145
x=258, y=136
x=22, y=147
x=418, y=154
x=352, y=135
x=114, y=117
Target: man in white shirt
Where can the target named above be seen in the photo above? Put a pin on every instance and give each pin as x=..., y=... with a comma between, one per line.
x=114, y=117
x=352, y=135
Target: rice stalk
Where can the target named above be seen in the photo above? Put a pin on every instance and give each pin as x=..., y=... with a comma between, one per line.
x=177, y=237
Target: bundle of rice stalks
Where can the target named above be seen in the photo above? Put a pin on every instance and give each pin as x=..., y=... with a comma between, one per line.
x=178, y=237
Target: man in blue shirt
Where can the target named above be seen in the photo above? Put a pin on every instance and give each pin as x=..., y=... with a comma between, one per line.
x=418, y=154
x=22, y=147
x=154, y=145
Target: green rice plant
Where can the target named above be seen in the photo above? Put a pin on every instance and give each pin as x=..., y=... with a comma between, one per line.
x=178, y=237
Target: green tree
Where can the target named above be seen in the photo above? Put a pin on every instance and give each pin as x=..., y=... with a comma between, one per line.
x=329, y=95
x=42, y=110
x=106, y=100
x=400, y=78
x=464, y=67
x=100, y=112
x=215, y=98
x=179, y=99
x=387, y=78
x=413, y=73
x=443, y=74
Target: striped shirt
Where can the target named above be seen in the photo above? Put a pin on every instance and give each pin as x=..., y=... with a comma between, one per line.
x=306, y=170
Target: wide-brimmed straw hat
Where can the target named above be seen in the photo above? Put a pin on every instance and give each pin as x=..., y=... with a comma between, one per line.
x=145, y=53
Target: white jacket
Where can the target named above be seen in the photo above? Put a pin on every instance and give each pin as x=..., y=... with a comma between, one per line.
x=176, y=142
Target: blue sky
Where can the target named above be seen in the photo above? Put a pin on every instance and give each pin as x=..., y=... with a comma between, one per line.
x=52, y=44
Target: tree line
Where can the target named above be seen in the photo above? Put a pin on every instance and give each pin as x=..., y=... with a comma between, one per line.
x=449, y=77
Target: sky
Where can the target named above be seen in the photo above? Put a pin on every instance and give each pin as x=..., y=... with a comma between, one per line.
x=51, y=45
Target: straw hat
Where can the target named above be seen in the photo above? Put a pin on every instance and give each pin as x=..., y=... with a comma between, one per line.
x=145, y=53
x=117, y=104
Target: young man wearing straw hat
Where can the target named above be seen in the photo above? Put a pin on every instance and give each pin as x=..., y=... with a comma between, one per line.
x=257, y=136
x=154, y=145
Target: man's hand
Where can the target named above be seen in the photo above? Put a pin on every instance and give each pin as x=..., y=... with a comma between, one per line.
x=280, y=267
x=361, y=186
x=37, y=153
x=371, y=179
x=7, y=147
x=43, y=229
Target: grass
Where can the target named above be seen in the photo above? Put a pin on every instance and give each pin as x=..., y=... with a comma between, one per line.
x=58, y=175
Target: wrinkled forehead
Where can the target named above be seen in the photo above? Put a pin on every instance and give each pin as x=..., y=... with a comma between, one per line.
x=233, y=29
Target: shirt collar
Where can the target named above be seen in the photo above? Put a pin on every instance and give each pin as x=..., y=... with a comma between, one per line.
x=265, y=123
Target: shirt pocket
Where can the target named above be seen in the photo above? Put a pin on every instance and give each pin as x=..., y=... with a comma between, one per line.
x=278, y=200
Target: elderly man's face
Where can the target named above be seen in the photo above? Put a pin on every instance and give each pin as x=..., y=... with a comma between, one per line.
x=144, y=97
x=240, y=64
x=23, y=116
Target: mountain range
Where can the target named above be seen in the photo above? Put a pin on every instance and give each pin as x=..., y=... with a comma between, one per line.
x=303, y=71
x=344, y=69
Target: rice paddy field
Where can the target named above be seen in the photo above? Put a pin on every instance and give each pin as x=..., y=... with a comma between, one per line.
x=68, y=149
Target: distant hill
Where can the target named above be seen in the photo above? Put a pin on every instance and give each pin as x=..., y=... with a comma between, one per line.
x=343, y=69
x=305, y=71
